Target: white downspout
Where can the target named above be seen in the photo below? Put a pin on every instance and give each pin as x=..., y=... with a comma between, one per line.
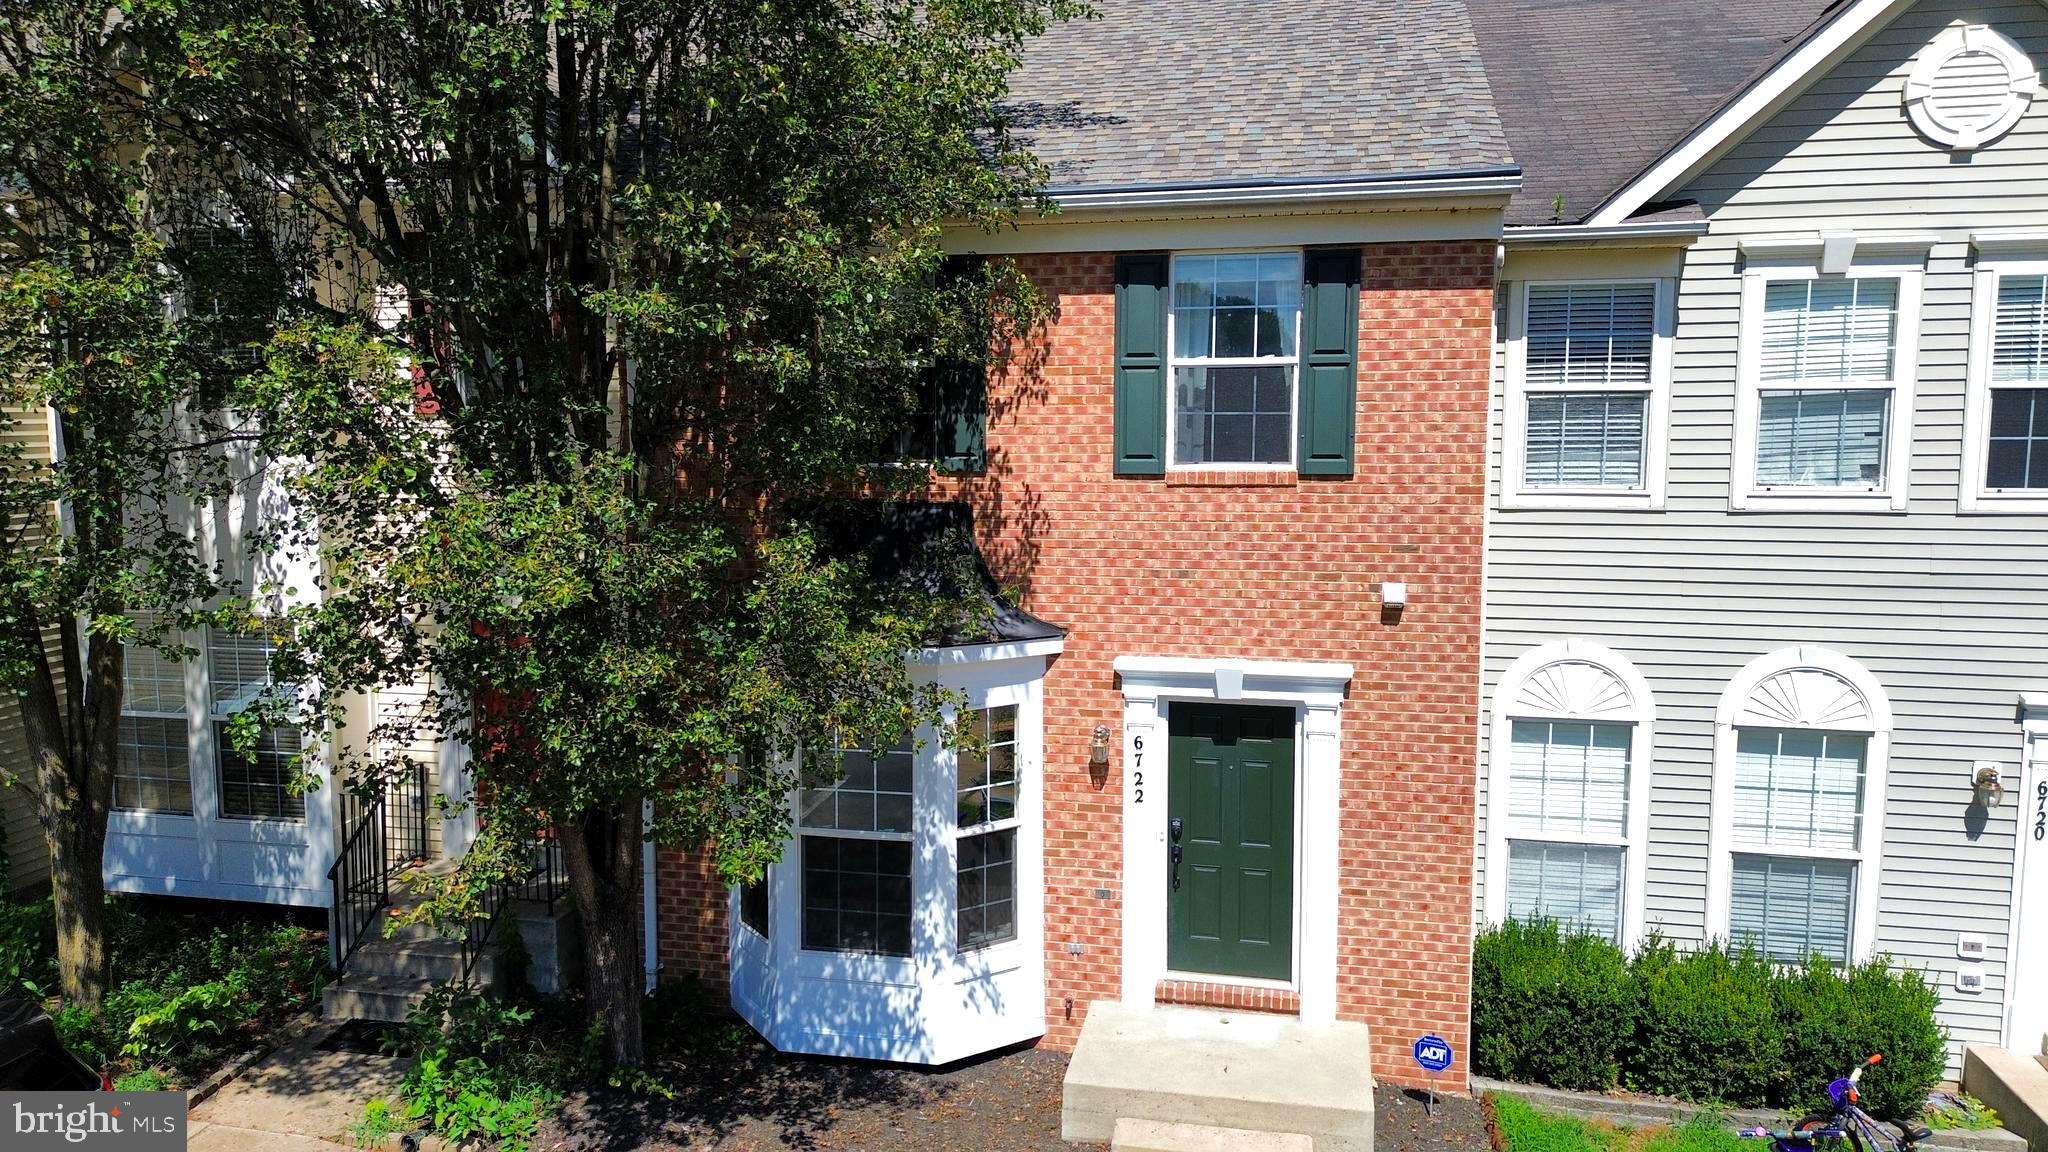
x=650, y=954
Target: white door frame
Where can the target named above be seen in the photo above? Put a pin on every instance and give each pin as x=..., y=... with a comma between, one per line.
x=1317, y=690
x=2026, y=994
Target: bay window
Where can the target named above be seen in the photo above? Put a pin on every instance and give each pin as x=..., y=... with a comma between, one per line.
x=1588, y=374
x=985, y=844
x=2005, y=445
x=856, y=855
x=1825, y=397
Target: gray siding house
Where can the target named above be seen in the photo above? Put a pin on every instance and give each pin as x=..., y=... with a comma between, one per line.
x=1767, y=585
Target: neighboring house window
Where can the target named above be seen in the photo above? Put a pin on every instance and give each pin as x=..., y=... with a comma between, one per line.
x=256, y=786
x=154, y=772
x=986, y=840
x=1588, y=373
x=1235, y=324
x=855, y=836
x=2005, y=451
x=1800, y=749
x=1567, y=791
x=1825, y=404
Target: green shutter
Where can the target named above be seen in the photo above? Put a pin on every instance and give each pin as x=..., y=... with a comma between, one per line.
x=962, y=418
x=1329, y=361
x=1141, y=288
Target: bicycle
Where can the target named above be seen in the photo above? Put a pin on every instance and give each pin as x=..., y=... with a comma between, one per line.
x=1846, y=1122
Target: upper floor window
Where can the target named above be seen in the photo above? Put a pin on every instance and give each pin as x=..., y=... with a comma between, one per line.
x=1825, y=399
x=2005, y=448
x=1587, y=379
x=1235, y=323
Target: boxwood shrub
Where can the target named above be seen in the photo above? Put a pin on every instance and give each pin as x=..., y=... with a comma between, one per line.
x=1715, y=1025
x=1551, y=1007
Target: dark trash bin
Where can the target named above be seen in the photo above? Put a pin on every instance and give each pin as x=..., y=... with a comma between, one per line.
x=32, y=1058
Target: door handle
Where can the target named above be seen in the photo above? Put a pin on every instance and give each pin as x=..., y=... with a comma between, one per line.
x=1174, y=828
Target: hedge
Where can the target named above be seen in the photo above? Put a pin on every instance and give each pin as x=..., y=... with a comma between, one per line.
x=1717, y=1025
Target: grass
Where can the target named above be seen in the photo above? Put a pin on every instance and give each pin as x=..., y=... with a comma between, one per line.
x=1522, y=1127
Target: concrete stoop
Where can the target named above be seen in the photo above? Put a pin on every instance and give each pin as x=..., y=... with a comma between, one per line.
x=2014, y=1085
x=1158, y=1136
x=1211, y=1081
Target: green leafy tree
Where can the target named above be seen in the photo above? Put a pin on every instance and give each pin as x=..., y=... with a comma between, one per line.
x=658, y=274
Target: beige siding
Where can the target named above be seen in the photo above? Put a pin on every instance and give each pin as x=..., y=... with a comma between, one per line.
x=1950, y=613
x=27, y=852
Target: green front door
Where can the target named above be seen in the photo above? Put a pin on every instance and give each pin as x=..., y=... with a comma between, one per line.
x=1230, y=792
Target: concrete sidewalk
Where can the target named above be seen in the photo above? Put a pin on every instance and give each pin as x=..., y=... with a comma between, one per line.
x=300, y=1098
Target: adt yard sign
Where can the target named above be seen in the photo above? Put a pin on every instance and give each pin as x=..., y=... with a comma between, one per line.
x=1433, y=1053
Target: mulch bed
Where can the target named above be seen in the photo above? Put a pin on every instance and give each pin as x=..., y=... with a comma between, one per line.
x=753, y=1099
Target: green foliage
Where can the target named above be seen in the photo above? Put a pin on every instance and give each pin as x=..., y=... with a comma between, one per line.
x=484, y=1068
x=1705, y=1028
x=28, y=948
x=1550, y=1007
x=1522, y=1127
x=87, y=1035
x=1948, y=1111
x=1833, y=1018
x=1718, y=1024
x=164, y=1024
x=142, y=1080
x=378, y=1121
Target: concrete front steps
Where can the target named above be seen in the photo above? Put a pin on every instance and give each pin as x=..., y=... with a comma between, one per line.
x=2014, y=1085
x=389, y=975
x=1164, y=1079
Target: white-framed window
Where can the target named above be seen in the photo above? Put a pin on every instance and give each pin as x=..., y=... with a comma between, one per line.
x=1824, y=395
x=154, y=771
x=2005, y=424
x=1588, y=384
x=1801, y=743
x=985, y=836
x=255, y=786
x=1233, y=359
x=1568, y=791
x=855, y=849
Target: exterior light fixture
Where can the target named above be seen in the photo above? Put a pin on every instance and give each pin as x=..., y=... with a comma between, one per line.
x=1393, y=595
x=1986, y=787
x=1098, y=747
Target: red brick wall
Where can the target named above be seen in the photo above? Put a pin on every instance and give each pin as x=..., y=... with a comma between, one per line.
x=1259, y=567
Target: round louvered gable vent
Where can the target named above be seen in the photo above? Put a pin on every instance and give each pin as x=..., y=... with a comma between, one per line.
x=1970, y=87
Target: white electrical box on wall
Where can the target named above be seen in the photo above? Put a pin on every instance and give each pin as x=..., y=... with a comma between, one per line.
x=1969, y=979
x=1970, y=946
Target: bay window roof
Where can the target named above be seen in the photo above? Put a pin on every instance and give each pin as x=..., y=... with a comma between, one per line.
x=929, y=545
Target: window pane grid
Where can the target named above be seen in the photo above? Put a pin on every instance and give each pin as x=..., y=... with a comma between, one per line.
x=1792, y=909
x=152, y=682
x=154, y=772
x=987, y=888
x=988, y=782
x=2019, y=333
x=871, y=795
x=2018, y=444
x=1590, y=335
x=1584, y=440
x=1830, y=329
x=259, y=787
x=1822, y=439
x=754, y=906
x=1236, y=321
x=1576, y=885
x=238, y=667
x=856, y=895
x=1569, y=780
x=1799, y=789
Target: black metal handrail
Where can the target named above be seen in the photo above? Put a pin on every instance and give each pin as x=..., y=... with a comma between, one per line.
x=381, y=836
x=542, y=883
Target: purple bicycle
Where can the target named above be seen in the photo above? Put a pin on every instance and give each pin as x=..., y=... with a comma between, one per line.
x=1844, y=1124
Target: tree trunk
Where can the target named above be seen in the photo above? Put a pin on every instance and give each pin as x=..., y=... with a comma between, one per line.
x=602, y=853
x=78, y=889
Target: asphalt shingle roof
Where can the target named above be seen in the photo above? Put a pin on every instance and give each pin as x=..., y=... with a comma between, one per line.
x=1593, y=91
x=1188, y=92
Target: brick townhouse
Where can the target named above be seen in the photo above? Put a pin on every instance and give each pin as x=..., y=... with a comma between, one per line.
x=1238, y=486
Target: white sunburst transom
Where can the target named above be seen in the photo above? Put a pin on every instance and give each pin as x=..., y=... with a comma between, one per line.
x=1805, y=698
x=1575, y=688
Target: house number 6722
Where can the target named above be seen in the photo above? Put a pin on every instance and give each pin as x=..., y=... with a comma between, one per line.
x=1137, y=776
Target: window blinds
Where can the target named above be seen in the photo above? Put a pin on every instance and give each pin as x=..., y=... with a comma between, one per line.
x=1822, y=439
x=2019, y=341
x=1584, y=440
x=1590, y=335
x=1569, y=780
x=1791, y=909
x=1798, y=789
x=1577, y=885
x=1829, y=329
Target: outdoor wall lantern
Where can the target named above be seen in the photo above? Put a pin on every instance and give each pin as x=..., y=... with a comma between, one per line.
x=1098, y=747
x=1986, y=787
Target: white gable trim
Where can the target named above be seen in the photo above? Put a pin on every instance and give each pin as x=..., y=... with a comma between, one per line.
x=1848, y=31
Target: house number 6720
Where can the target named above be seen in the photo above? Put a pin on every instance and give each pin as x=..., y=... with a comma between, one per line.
x=1137, y=776
x=2041, y=810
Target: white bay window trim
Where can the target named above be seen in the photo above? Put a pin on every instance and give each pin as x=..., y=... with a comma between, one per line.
x=1775, y=261
x=1815, y=689
x=2025, y=255
x=1515, y=492
x=1572, y=681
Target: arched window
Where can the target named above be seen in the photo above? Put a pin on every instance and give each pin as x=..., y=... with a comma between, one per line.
x=1801, y=743
x=1568, y=790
